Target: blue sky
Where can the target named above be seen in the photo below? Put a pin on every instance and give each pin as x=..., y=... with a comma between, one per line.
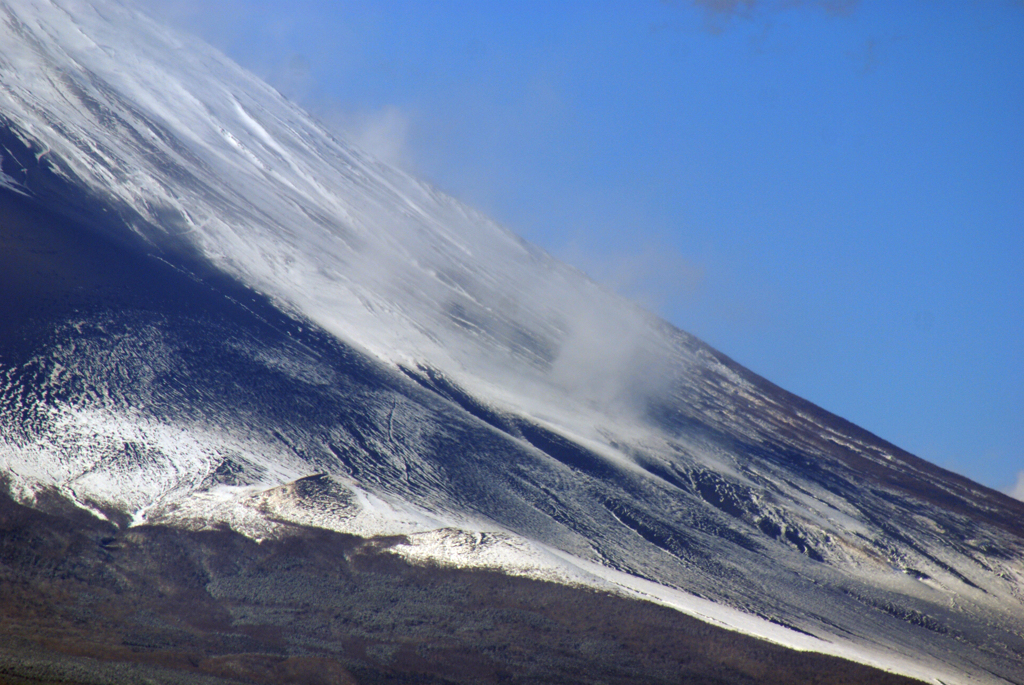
x=832, y=193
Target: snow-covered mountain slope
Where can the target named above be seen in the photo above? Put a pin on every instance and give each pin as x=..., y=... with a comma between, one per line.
x=235, y=301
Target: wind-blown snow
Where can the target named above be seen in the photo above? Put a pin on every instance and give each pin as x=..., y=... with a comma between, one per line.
x=368, y=252
x=622, y=452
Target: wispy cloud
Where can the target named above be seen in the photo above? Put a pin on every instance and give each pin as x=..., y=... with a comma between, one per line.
x=718, y=14
x=293, y=78
x=1018, y=489
x=652, y=274
x=384, y=132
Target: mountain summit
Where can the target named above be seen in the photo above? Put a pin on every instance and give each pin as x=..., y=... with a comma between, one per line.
x=219, y=318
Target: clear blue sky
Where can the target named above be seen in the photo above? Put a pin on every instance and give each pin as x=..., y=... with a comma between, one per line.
x=831, y=192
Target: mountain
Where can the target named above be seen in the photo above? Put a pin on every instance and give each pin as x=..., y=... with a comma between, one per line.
x=225, y=329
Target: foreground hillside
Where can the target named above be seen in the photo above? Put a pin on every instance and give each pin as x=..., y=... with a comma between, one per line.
x=85, y=602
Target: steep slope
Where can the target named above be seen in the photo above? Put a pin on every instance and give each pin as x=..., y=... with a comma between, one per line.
x=211, y=298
